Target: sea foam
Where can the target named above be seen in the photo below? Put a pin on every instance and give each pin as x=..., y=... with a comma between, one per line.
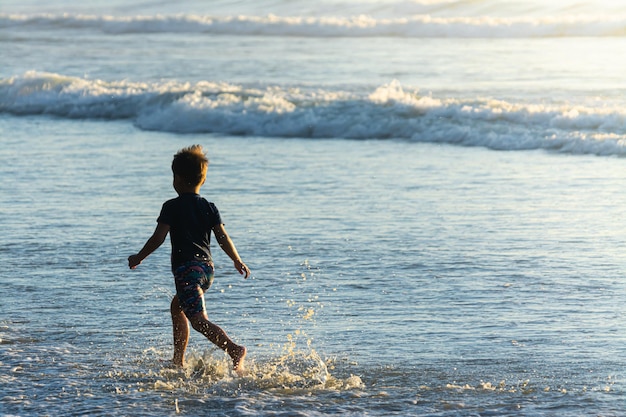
x=388, y=112
x=360, y=25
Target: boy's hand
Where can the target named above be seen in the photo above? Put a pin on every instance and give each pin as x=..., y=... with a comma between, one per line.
x=242, y=268
x=133, y=261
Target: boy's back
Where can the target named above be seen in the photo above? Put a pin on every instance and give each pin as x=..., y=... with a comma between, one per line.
x=191, y=218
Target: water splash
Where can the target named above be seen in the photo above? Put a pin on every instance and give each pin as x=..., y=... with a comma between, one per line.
x=296, y=370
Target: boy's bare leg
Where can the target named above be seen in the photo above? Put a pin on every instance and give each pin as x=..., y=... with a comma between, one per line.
x=180, y=328
x=215, y=334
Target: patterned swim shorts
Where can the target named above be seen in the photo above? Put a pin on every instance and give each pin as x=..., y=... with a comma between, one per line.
x=192, y=279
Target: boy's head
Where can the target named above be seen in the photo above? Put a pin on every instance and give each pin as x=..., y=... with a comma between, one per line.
x=190, y=164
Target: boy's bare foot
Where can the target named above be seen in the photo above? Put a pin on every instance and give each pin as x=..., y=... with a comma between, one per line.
x=238, y=357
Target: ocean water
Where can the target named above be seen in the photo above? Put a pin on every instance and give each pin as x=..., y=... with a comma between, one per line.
x=429, y=195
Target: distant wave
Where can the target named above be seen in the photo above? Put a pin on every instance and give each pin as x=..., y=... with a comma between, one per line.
x=387, y=112
x=416, y=26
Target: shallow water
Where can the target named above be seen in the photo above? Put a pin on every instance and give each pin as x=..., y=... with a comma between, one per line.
x=388, y=278
x=429, y=195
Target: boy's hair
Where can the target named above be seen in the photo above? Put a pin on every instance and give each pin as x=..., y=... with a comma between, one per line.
x=190, y=164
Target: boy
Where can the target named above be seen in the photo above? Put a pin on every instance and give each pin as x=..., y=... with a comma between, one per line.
x=189, y=219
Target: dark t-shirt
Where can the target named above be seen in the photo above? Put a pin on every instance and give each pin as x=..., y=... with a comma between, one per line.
x=191, y=219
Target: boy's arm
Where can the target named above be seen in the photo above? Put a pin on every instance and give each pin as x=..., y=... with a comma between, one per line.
x=151, y=245
x=228, y=246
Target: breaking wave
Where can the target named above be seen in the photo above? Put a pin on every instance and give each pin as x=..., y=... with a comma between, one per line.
x=387, y=112
x=360, y=25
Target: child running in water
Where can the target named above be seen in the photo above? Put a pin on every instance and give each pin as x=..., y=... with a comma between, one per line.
x=189, y=219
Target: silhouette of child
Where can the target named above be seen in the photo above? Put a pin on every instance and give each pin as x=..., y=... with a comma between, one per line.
x=189, y=219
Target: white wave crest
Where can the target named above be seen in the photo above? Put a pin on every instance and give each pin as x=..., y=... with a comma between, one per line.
x=387, y=112
x=416, y=26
